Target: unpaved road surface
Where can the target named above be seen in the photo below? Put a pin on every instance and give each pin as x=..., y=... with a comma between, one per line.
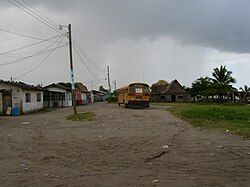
x=120, y=147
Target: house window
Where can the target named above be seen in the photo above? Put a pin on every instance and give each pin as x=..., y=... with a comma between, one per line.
x=163, y=97
x=28, y=97
x=180, y=97
x=38, y=97
x=63, y=97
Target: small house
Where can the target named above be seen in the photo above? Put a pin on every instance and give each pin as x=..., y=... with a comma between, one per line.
x=20, y=96
x=82, y=94
x=98, y=96
x=172, y=92
x=56, y=95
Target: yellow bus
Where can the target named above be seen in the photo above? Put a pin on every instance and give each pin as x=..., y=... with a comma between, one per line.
x=134, y=95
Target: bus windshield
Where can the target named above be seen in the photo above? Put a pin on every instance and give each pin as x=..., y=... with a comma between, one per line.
x=139, y=89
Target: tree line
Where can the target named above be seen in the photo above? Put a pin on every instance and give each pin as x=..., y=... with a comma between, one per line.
x=218, y=88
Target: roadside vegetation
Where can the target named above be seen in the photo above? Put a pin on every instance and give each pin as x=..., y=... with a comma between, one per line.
x=86, y=116
x=112, y=99
x=218, y=88
x=229, y=117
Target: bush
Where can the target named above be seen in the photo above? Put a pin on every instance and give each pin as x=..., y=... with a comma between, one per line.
x=112, y=99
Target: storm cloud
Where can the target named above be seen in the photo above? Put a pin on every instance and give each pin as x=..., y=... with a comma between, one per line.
x=166, y=36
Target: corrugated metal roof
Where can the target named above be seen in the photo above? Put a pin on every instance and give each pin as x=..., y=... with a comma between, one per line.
x=22, y=85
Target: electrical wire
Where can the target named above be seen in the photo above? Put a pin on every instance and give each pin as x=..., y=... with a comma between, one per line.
x=39, y=64
x=84, y=63
x=42, y=20
x=49, y=20
x=40, y=17
x=6, y=52
x=85, y=55
x=24, y=58
x=11, y=56
x=23, y=35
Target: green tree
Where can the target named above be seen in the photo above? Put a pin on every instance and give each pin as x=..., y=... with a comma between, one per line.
x=201, y=87
x=162, y=82
x=246, y=91
x=222, y=81
x=102, y=89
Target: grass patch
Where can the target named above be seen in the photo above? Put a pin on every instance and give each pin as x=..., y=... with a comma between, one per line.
x=86, y=116
x=235, y=118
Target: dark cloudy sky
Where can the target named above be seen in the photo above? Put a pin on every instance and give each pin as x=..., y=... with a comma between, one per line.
x=139, y=39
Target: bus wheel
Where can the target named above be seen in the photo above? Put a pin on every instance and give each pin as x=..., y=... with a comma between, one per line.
x=119, y=104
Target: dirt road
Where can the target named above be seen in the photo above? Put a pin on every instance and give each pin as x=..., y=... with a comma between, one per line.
x=120, y=147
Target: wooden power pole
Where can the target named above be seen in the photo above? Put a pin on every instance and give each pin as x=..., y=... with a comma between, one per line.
x=72, y=71
x=109, y=85
x=115, y=84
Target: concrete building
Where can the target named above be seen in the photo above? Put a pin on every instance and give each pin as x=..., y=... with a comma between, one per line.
x=20, y=96
x=57, y=96
x=98, y=96
x=82, y=94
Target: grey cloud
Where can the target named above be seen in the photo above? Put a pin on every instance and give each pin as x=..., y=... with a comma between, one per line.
x=166, y=36
x=223, y=25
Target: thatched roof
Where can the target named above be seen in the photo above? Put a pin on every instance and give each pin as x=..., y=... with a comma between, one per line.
x=158, y=88
x=175, y=88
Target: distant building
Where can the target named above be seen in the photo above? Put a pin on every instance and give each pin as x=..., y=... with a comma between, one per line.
x=98, y=96
x=21, y=97
x=172, y=92
x=56, y=95
x=82, y=94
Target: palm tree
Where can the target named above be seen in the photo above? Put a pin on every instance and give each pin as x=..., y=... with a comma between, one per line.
x=246, y=91
x=222, y=76
x=200, y=86
x=222, y=81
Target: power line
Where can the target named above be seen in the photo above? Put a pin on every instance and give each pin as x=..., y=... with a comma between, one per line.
x=10, y=56
x=24, y=58
x=85, y=55
x=40, y=63
x=42, y=18
x=27, y=57
x=49, y=20
x=39, y=16
x=30, y=45
x=23, y=35
x=20, y=6
x=20, y=60
x=84, y=62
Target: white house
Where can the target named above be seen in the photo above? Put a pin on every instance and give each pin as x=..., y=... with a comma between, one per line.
x=26, y=98
x=57, y=96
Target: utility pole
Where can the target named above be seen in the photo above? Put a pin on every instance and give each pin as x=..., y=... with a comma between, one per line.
x=72, y=71
x=109, y=80
x=115, y=84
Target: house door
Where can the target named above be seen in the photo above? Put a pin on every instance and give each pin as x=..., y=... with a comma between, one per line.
x=173, y=98
x=6, y=102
